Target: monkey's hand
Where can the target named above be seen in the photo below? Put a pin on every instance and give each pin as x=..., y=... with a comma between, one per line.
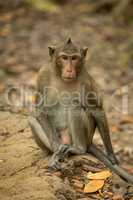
x=73, y=151
x=58, y=157
x=54, y=165
x=63, y=152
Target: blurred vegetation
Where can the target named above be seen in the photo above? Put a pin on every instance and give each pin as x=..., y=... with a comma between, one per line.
x=120, y=10
x=44, y=5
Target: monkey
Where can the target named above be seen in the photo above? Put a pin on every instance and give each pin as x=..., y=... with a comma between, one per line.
x=69, y=108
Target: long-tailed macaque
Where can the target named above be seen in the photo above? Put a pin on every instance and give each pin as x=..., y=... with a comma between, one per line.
x=69, y=108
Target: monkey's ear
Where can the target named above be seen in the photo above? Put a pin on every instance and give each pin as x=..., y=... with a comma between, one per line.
x=84, y=51
x=51, y=50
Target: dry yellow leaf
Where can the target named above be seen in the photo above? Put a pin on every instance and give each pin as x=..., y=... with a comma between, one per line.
x=93, y=186
x=31, y=98
x=114, y=129
x=99, y=175
x=118, y=197
x=2, y=87
x=126, y=119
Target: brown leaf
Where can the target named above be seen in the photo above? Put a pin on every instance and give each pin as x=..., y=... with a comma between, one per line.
x=2, y=87
x=11, y=61
x=99, y=175
x=78, y=184
x=5, y=31
x=6, y=18
x=126, y=119
x=114, y=129
x=57, y=173
x=30, y=100
x=118, y=197
x=93, y=186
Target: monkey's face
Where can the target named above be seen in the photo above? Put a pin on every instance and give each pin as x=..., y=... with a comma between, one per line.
x=68, y=65
x=68, y=60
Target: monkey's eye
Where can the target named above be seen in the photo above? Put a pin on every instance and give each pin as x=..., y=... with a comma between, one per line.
x=64, y=57
x=74, y=57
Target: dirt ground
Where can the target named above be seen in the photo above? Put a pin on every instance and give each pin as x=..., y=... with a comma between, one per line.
x=24, y=38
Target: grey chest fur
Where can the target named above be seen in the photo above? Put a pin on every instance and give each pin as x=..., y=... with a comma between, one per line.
x=60, y=108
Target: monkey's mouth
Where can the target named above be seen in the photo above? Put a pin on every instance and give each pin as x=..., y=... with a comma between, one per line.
x=68, y=78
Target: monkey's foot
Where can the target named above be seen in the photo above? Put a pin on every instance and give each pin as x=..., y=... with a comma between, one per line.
x=58, y=157
x=55, y=166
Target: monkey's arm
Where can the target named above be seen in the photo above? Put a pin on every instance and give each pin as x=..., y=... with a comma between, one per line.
x=41, y=110
x=94, y=107
x=103, y=127
x=46, y=138
x=43, y=132
x=98, y=114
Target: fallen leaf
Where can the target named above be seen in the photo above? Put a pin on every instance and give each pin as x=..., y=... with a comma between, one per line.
x=5, y=31
x=2, y=87
x=12, y=46
x=114, y=129
x=77, y=184
x=11, y=61
x=57, y=173
x=93, y=186
x=6, y=18
x=31, y=98
x=118, y=197
x=79, y=190
x=126, y=119
x=99, y=175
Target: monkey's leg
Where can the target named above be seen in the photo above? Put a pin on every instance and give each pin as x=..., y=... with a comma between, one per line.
x=76, y=136
x=82, y=129
x=102, y=157
x=42, y=139
x=102, y=124
x=78, y=142
x=114, y=167
x=78, y=131
x=39, y=134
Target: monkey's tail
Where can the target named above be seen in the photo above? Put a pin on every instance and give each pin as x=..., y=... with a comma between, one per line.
x=114, y=167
